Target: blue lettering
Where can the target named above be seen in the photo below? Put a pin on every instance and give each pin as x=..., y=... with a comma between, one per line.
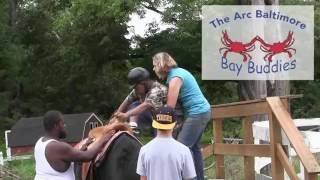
x=258, y=13
x=259, y=69
x=286, y=66
x=251, y=67
x=274, y=68
x=231, y=66
x=224, y=63
x=293, y=64
x=218, y=21
x=266, y=68
x=237, y=16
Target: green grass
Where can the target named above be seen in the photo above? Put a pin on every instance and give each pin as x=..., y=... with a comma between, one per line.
x=209, y=173
x=206, y=138
x=233, y=164
x=3, y=148
x=207, y=135
x=144, y=139
x=233, y=168
x=296, y=163
x=23, y=168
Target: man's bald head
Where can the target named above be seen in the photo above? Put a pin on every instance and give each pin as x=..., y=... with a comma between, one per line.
x=51, y=118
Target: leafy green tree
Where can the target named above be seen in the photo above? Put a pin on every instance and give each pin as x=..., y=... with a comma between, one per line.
x=76, y=53
x=11, y=56
x=183, y=42
x=72, y=55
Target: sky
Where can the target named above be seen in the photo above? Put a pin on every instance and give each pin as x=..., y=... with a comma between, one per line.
x=139, y=25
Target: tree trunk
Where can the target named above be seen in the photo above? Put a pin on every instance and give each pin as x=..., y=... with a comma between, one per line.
x=278, y=88
x=12, y=12
x=252, y=89
x=255, y=89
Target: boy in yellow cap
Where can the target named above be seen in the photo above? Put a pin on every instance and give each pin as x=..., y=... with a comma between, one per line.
x=164, y=157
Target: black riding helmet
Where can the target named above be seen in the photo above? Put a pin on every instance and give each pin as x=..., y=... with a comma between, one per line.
x=136, y=75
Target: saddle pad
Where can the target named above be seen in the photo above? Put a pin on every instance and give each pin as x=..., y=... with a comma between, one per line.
x=97, y=132
x=119, y=162
x=120, y=154
x=105, y=149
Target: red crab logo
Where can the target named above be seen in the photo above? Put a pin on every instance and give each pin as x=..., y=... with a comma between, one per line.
x=237, y=47
x=243, y=48
x=277, y=48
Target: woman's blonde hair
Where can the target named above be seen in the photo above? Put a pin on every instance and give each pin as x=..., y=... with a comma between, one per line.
x=163, y=59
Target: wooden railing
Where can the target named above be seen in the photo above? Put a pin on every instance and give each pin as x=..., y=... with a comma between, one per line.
x=276, y=110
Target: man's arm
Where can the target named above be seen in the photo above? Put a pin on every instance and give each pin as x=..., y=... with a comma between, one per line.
x=65, y=152
x=173, y=91
x=139, y=109
x=143, y=177
x=129, y=99
x=124, y=105
x=133, y=112
x=85, y=144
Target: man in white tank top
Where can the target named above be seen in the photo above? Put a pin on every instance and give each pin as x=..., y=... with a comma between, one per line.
x=54, y=158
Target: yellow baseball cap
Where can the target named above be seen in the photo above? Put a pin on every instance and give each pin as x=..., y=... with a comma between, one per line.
x=164, y=118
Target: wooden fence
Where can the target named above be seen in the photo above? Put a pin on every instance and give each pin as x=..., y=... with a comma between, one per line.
x=277, y=112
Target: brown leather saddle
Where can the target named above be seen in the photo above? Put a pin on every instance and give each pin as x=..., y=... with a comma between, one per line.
x=122, y=145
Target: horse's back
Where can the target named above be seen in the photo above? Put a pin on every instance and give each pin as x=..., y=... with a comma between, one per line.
x=120, y=160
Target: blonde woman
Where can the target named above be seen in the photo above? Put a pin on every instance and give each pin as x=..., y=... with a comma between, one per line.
x=182, y=86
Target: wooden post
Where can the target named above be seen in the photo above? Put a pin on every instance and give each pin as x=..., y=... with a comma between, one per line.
x=248, y=139
x=1, y=159
x=286, y=104
x=275, y=137
x=218, y=138
x=308, y=176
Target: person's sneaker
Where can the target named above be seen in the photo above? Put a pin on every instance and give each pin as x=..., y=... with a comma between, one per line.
x=133, y=125
x=136, y=131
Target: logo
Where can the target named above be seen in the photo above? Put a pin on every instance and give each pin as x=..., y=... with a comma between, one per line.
x=257, y=43
x=237, y=47
x=244, y=48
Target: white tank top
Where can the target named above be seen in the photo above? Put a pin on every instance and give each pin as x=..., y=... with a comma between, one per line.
x=44, y=171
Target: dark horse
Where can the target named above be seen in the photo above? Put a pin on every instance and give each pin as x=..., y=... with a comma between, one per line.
x=117, y=160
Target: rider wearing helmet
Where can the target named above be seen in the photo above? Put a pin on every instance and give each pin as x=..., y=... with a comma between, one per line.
x=146, y=96
x=137, y=75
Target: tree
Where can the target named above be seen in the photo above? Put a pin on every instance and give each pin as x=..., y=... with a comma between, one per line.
x=255, y=89
x=74, y=56
x=11, y=56
x=183, y=42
